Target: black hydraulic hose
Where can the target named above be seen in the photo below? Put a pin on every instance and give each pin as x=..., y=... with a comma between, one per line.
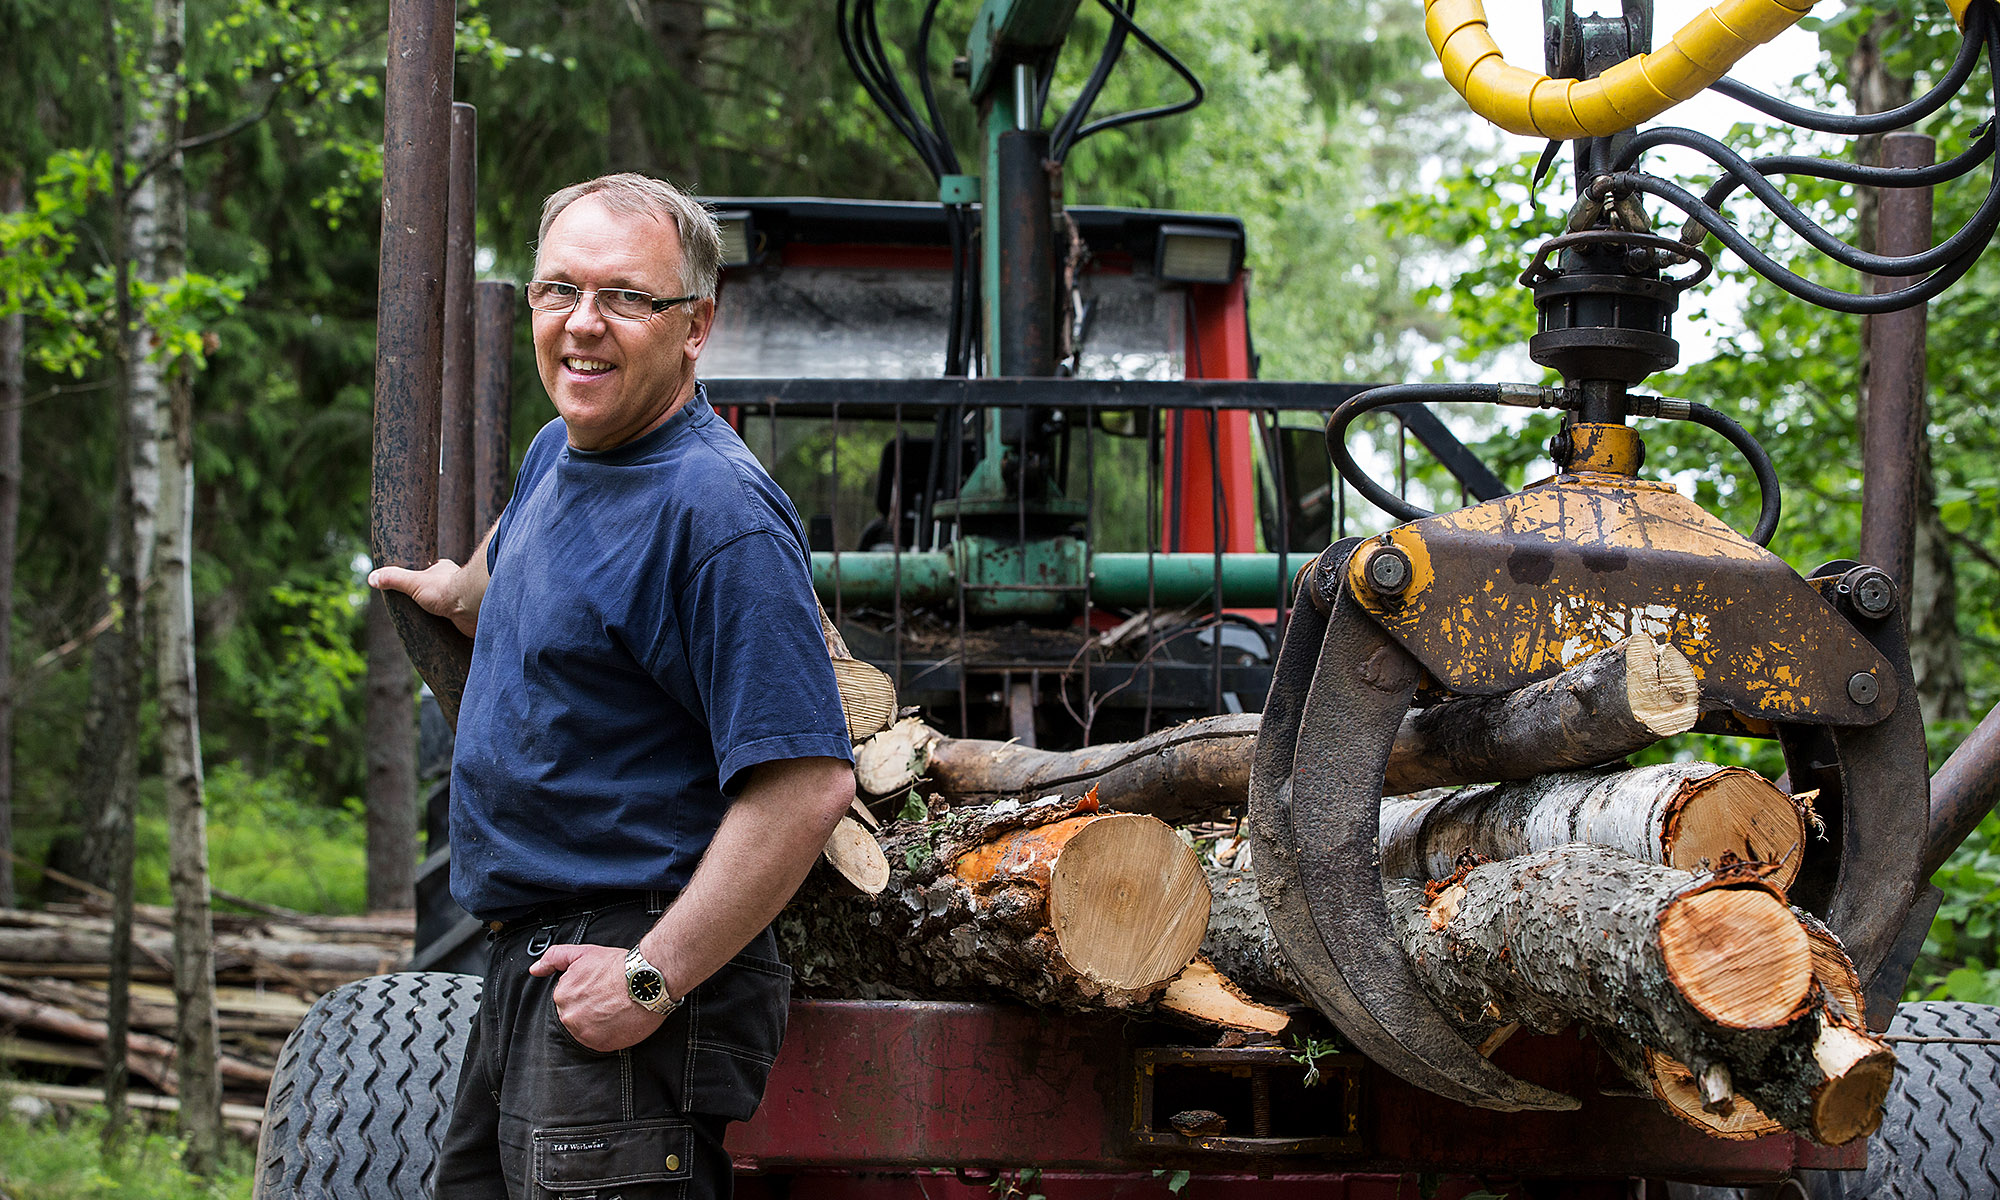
x=1952, y=168
x=1862, y=123
x=948, y=157
x=1386, y=397
x=1144, y=114
x=1771, y=499
x=1770, y=496
x=1973, y=235
x=1805, y=289
x=1064, y=133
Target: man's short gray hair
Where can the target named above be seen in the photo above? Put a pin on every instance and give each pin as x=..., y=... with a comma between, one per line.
x=642, y=195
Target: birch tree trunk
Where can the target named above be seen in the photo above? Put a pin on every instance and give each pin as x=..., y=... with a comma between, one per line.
x=12, y=373
x=160, y=251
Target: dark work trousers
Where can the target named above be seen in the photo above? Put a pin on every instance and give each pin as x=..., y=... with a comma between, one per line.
x=540, y=1117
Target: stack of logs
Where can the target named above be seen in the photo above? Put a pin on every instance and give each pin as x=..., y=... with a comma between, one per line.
x=269, y=970
x=1646, y=906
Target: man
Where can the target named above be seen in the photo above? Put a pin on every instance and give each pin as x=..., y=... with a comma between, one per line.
x=651, y=750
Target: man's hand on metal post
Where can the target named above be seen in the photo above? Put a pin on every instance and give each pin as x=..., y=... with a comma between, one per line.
x=591, y=998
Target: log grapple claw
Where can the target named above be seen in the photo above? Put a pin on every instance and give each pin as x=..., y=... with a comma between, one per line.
x=1340, y=689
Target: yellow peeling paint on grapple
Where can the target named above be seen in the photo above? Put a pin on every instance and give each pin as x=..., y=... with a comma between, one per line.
x=1605, y=449
x=1482, y=635
x=1638, y=89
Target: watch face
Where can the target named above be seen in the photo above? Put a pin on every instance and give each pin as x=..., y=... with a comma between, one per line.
x=647, y=986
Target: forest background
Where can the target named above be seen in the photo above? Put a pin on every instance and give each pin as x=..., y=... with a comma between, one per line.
x=1384, y=230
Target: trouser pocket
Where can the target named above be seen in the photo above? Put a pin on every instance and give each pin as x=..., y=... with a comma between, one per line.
x=632, y=1160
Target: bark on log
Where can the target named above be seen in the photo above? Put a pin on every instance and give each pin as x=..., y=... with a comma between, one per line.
x=1715, y=973
x=1613, y=703
x=1685, y=815
x=1055, y=903
x=252, y=956
x=1239, y=940
x=1617, y=701
x=1188, y=772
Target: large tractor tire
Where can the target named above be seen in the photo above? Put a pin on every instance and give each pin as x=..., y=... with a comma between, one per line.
x=1939, y=1124
x=364, y=1088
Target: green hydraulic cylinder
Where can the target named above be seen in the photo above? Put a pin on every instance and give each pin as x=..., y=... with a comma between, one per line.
x=1040, y=583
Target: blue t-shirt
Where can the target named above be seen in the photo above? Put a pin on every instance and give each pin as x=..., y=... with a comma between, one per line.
x=649, y=634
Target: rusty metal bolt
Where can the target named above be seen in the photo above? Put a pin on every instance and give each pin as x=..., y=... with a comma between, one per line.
x=1862, y=687
x=1389, y=571
x=1874, y=592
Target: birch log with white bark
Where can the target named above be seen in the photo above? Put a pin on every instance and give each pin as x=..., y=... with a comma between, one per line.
x=1613, y=703
x=1684, y=815
x=1056, y=904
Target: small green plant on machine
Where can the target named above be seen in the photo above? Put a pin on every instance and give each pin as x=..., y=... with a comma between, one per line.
x=1020, y=1187
x=1176, y=1180
x=1307, y=1051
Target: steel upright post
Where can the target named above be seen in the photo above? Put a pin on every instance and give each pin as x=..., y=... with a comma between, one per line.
x=455, y=486
x=492, y=400
x=1892, y=428
x=409, y=332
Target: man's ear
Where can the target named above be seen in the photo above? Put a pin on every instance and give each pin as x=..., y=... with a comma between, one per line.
x=701, y=322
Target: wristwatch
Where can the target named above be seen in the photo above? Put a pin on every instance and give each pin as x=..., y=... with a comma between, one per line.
x=646, y=986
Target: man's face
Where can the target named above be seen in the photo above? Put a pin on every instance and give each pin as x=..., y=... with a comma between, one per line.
x=613, y=380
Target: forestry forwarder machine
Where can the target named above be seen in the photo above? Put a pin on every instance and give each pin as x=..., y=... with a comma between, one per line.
x=1066, y=327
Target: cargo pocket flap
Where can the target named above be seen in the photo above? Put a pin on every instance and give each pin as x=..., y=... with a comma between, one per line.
x=585, y=1157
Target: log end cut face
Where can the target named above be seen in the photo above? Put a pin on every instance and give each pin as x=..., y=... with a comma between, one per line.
x=1735, y=812
x=1738, y=956
x=1128, y=902
x=1736, y=1120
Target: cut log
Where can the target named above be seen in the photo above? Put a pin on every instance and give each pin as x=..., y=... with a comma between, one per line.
x=1206, y=996
x=1054, y=903
x=1585, y=933
x=857, y=857
x=867, y=696
x=1189, y=772
x=1830, y=1087
x=1713, y=972
x=1686, y=815
x=891, y=762
x=1617, y=701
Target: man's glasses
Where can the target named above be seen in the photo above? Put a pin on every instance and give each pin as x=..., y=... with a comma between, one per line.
x=623, y=304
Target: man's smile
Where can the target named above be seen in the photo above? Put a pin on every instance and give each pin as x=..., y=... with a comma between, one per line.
x=586, y=366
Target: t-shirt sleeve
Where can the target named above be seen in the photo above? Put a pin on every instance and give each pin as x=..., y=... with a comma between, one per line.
x=752, y=638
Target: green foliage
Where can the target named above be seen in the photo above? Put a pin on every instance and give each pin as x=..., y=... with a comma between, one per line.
x=1953, y=965
x=1307, y=1051
x=1176, y=1180
x=65, y=1159
x=267, y=841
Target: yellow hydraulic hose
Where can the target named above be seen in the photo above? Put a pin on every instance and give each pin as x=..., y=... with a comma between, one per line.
x=1638, y=89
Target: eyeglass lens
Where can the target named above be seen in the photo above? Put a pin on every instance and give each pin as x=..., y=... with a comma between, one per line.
x=623, y=303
